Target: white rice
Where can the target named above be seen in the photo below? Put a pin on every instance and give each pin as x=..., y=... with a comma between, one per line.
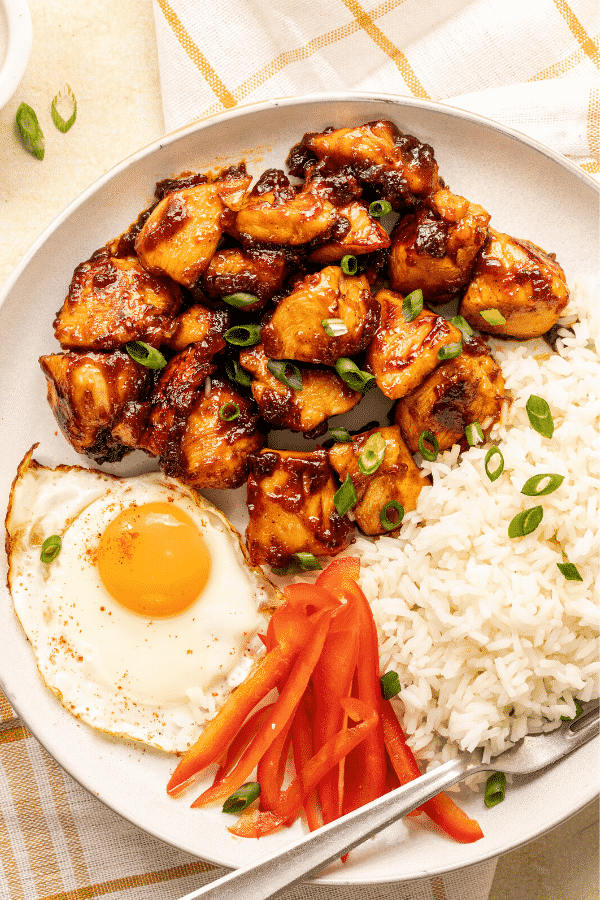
x=488, y=637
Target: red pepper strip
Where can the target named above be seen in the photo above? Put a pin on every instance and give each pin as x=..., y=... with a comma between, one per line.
x=441, y=809
x=246, y=733
x=256, y=823
x=288, y=625
x=339, y=571
x=308, y=598
x=302, y=743
x=283, y=710
x=270, y=770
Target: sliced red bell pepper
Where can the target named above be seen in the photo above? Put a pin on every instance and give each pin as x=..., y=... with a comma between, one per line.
x=302, y=744
x=255, y=823
x=246, y=733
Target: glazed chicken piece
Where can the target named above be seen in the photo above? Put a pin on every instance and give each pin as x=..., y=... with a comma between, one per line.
x=403, y=353
x=435, y=248
x=202, y=327
x=290, y=502
x=258, y=272
x=112, y=301
x=517, y=282
x=398, y=477
x=365, y=235
x=181, y=233
x=400, y=167
x=92, y=394
x=323, y=394
x=467, y=389
x=296, y=329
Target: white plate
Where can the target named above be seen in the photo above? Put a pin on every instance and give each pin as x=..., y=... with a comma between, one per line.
x=530, y=191
x=15, y=46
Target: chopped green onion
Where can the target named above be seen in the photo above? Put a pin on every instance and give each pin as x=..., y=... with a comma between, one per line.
x=237, y=374
x=390, y=685
x=354, y=377
x=63, y=125
x=145, y=355
x=308, y=561
x=345, y=497
x=495, y=789
x=570, y=571
x=229, y=411
x=341, y=435
x=50, y=548
x=493, y=316
x=425, y=438
x=540, y=416
x=240, y=300
x=286, y=372
x=496, y=472
x=532, y=488
x=450, y=351
x=243, y=335
x=334, y=327
x=525, y=522
x=463, y=326
x=242, y=798
x=286, y=570
x=349, y=265
x=578, y=712
x=384, y=518
x=474, y=434
x=412, y=305
x=30, y=131
x=372, y=454
x=379, y=208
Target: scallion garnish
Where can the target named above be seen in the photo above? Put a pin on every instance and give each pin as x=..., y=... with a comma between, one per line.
x=495, y=789
x=345, y=497
x=242, y=798
x=354, y=377
x=334, y=327
x=145, y=355
x=63, y=125
x=540, y=416
x=463, y=326
x=229, y=411
x=390, y=685
x=493, y=316
x=412, y=305
x=384, y=519
x=428, y=446
x=240, y=300
x=30, y=131
x=308, y=561
x=286, y=372
x=50, y=548
x=349, y=265
x=532, y=488
x=243, y=335
x=525, y=522
x=341, y=435
x=474, y=434
x=450, y=351
x=570, y=571
x=372, y=454
x=379, y=208
x=495, y=472
x=578, y=712
x=237, y=374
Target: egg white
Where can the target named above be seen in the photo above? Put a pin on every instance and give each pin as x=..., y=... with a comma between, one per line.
x=155, y=680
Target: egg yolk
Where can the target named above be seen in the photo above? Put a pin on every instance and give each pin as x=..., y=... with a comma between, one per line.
x=153, y=560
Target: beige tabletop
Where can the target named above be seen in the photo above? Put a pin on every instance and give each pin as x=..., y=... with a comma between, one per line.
x=105, y=51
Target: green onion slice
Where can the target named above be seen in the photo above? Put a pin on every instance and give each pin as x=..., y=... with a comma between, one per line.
x=308, y=561
x=493, y=316
x=532, y=488
x=540, y=416
x=496, y=471
x=341, y=435
x=412, y=305
x=372, y=454
x=349, y=265
x=237, y=374
x=286, y=372
x=495, y=789
x=243, y=335
x=69, y=100
x=354, y=377
x=450, y=351
x=30, y=131
x=525, y=522
x=428, y=446
x=345, y=497
x=240, y=300
x=229, y=411
x=286, y=570
x=51, y=548
x=334, y=327
x=578, y=712
x=385, y=520
x=570, y=571
x=379, y=208
x=390, y=685
x=463, y=326
x=474, y=434
x=145, y=355
x=242, y=798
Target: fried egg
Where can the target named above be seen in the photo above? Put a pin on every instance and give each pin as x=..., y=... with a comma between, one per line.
x=149, y=615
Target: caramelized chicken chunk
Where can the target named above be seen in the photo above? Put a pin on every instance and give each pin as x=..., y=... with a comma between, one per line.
x=364, y=236
x=402, y=353
x=290, y=502
x=112, y=301
x=435, y=248
x=201, y=326
x=518, y=281
x=467, y=389
x=90, y=394
x=258, y=272
x=181, y=233
x=399, y=166
x=398, y=477
x=323, y=394
x=295, y=330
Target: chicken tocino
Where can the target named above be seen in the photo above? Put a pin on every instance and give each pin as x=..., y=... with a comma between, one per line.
x=364, y=235
x=202, y=327
x=258, y=272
